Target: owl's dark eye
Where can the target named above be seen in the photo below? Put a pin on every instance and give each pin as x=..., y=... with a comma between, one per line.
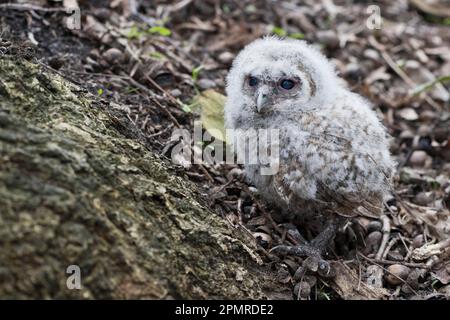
x=287, y=84
x=252, y=81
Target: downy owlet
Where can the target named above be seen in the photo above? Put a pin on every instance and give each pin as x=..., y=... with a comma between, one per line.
x=333, y=151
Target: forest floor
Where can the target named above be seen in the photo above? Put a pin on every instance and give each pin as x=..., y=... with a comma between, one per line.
x=154, y=60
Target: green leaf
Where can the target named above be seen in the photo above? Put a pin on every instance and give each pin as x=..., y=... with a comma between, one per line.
x=134, y=33
x=226, y=8
x=296, y=35
x=156, y=55
x=429, y=85
x=100, y=91
x=186, y=108
x=196, y=72
x=279, y=31
x=162, y=31
x=251, y=8
x=130, y=90
x=283, y=33
x=211, y=105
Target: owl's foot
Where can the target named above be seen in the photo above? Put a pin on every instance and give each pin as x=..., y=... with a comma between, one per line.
x=314, y=250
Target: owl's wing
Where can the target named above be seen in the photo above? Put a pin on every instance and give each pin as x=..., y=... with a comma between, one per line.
x=349, y=204
x=338, y=200
x=283, y=180
x=297, y=178
x=336, y=143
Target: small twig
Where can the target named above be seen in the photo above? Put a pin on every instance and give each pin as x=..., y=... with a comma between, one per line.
x=59, y=73
x=407, y=158
x=167, y=111
x=389, y=247
x=391, y=63
x=301, y=280
x=264, y=251
x=408, y=250
x=350, y=273
x=202, y=167
x=239, y=210
x=283, y=235
x=160, y=132
x=359, y=277
x=167, y=94
x=134, y=82
x=406, y=208
x=225, y=185
x=428, y=85
x=408, y=264
x=99, y=74
x=164, y=108
x=394, y=275
x=179, y=5
x=386, y=232
x=195, y=175
x=182, y=63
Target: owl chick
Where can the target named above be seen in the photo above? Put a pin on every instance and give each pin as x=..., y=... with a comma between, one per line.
x=334, y=157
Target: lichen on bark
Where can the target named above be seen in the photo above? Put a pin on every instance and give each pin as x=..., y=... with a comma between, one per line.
x=76, y=190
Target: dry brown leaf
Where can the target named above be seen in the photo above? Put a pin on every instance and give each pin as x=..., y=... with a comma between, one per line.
x=443, y=273
x=349, y=286
x=428, y=250
x=437, y=220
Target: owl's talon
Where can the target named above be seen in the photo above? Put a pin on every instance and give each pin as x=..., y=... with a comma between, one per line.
x=324, y=268
x=303, y=250
x=314, y=250
x=323, y=265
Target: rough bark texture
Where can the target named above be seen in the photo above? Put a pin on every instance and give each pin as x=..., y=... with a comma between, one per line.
x=74, y=189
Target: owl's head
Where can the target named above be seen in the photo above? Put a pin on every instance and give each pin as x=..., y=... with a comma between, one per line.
x=280, y=75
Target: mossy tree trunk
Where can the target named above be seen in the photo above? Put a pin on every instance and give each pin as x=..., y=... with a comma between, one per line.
x=78, y=188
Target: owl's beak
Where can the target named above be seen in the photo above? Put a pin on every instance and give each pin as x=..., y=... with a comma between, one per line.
x=262, y=99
